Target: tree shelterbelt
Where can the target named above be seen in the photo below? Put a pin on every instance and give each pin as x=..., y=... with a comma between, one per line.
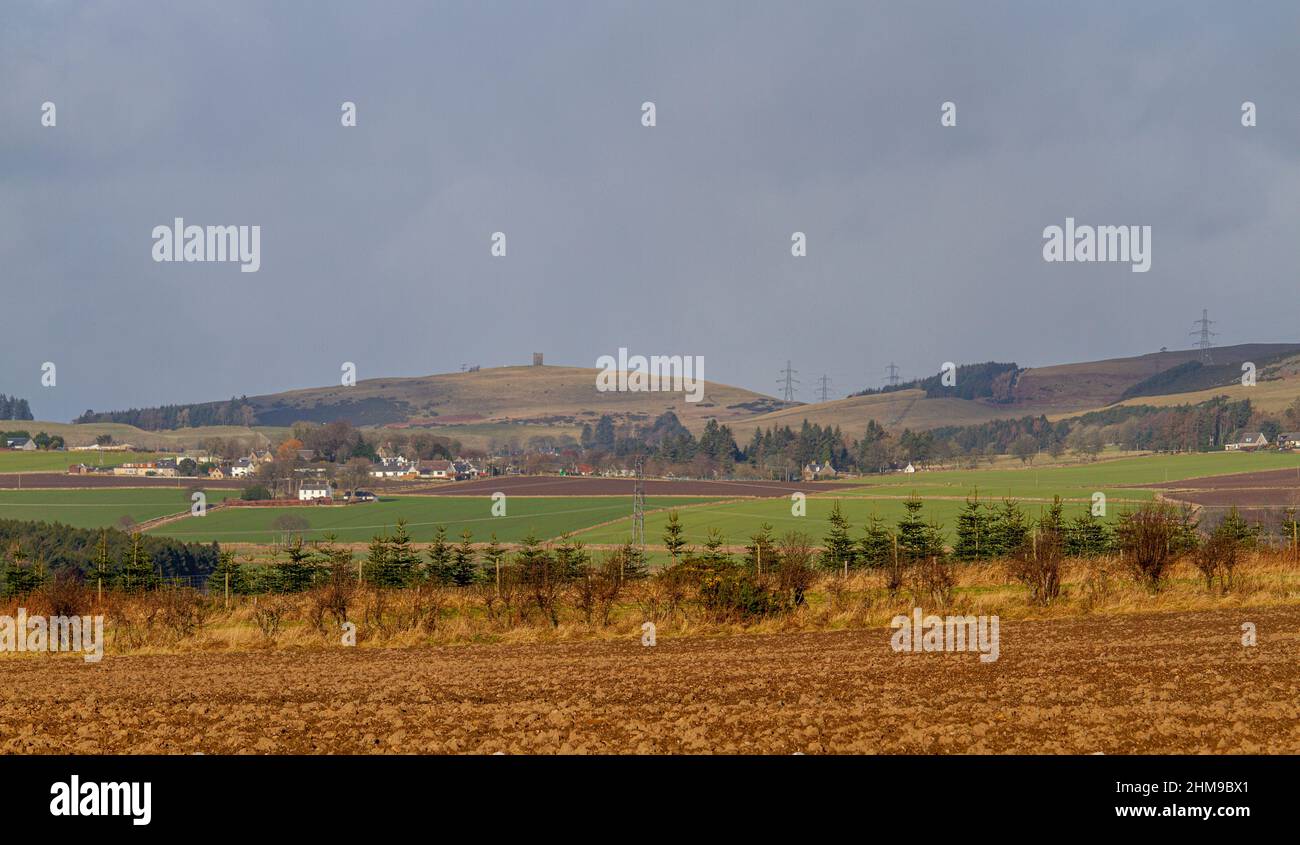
x=233, y=412
x=664, y=438
x=42, y=550
x=785, y=448
x=13, y=408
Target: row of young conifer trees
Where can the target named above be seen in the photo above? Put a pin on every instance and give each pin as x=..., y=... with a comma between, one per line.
x=135, y=570
x=983, y=532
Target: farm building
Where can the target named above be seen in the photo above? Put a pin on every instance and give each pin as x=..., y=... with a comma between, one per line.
x=147, y=468
x=314, y=489
x=394, y=469
x=437, y=469
x=1248, y=442
x=815, y=470
x=1288, y=440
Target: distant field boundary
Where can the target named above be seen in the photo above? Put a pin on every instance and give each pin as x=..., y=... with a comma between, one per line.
x=619, y=519
x=63, y=481
x=585, y=485
x=141, y=527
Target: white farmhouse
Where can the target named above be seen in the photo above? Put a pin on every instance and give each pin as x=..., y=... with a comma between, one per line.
x=315, y=489
x=393, y=469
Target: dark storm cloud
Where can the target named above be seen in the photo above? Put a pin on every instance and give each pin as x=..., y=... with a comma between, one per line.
x=924, y=242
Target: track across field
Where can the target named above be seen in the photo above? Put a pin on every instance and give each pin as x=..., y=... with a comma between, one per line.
x=63, y=481
x=576, y=485
x=98, y=508
x=544, y=516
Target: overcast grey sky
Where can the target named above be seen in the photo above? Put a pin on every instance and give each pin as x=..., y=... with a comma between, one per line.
x=925, y=243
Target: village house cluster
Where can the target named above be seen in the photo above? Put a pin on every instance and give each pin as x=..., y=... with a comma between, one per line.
x=1252, y=441
x=399, y=467
x=313, y=477
x=248, y=467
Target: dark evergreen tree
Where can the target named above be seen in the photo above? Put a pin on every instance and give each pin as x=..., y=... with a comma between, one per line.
x=714, y=554
x=403, y=560
x=20, y=579
x=375, y=570
x=137, y=574
x=603, y=437
x=440, y=558
x=913, y=535
x=1087, y=536
x=1053, y=519
x=228, y=566
x=296, y=573
x=974, y=541
x=876, y=548
x=674, y=540
x=493, y=557
x=760, y=554
x=101, y=571
x=633, y=566
x=464, y=567
x=1009, y=529
x=1237, y=531
x=571, y=558
x=838, y=548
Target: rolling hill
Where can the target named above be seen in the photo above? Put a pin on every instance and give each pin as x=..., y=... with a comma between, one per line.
x=548, y=396
x=477, y=408
x=1065, y=390
x=517, y=402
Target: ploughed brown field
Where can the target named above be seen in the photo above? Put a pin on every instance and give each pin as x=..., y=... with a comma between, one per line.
x=1248, y=491
x=1120, y=684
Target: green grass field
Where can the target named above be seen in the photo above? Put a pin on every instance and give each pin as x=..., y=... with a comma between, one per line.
x=38, y=461
x=547, y=516
x=738, y=520
x=98, y=508
x=84, y=434
x=606, y=519
x=1101, y=475
x=944, y=494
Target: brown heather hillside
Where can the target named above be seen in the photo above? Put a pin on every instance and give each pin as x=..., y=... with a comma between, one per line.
x=562, y=397
x=1073, y=387
x=1277, y=386
x=897, y=410
x=1057, y=391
